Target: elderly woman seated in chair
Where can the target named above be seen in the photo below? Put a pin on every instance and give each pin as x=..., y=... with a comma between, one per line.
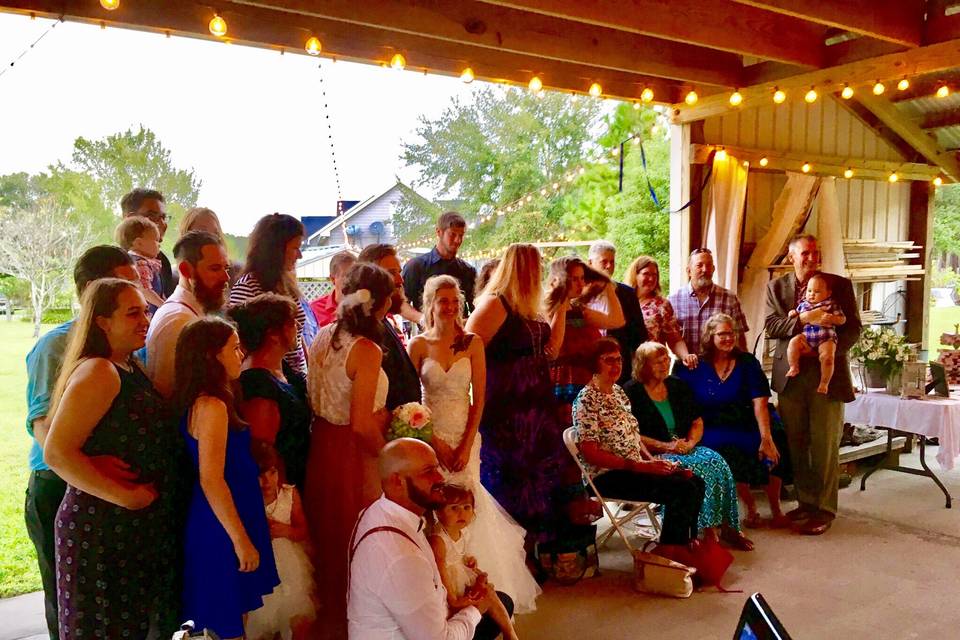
x=670, y=426
x=620, y=464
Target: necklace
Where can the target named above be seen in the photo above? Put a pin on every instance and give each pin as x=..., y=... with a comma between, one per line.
x=727, y=369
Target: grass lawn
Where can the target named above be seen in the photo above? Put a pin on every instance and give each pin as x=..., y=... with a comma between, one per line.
x=18, y=562
x=942, y=320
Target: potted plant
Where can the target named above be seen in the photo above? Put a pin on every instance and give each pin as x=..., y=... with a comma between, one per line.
x=882, y=354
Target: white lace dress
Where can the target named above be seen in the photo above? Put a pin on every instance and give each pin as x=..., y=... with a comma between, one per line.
x=495, y=539
x=295, y=596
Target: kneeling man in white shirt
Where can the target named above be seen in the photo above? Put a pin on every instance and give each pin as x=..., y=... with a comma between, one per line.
x=394, y=590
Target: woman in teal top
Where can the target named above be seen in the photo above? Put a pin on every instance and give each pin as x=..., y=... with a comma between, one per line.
x=671, y=427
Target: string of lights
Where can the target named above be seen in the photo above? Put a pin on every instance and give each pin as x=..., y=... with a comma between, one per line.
x=326, y=115
x=30, y=48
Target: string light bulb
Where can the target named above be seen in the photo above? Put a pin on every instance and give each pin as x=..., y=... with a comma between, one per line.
x=467, y=75
x=811, y=96
x=903, y=85
x=110, y=5
x=779, y=95
x=721, y=155
x=736, y=98
x=943, y=91
x=878, y=88
x=848, y=173
x=536, y=84
x=746, y=164
x=636, y=106
x=847, y=92
x=596, y=90
x=691, y=97
x=313, y=46
x=218, y=26
x=647, y=95
x=398, y=62
x=938, y=181
x=893, y=177
x=764, y=162
x=805, y=167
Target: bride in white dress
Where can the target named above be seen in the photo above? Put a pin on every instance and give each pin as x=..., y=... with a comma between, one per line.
x=453, y=373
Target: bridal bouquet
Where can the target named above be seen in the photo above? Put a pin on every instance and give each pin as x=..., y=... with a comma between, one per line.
x=411, y=420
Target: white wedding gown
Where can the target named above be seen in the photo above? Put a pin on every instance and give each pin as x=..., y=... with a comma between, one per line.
x=495, y=539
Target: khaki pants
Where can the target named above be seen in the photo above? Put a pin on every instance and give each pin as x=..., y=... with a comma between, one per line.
x=814, y=424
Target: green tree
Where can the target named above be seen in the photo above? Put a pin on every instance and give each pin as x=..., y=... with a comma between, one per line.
x=946, y=220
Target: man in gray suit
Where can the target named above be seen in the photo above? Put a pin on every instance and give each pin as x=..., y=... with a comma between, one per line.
x=814, y=421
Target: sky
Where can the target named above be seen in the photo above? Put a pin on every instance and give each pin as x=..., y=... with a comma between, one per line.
x=250, y=122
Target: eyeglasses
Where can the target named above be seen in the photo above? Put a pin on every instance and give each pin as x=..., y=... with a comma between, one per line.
x=724, y=334
x=611, y=360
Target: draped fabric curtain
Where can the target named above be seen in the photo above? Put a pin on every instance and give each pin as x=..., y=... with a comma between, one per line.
x=724, y=219
x=829, y=231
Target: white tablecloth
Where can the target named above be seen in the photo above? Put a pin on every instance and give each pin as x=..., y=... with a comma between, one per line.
x=934, y=417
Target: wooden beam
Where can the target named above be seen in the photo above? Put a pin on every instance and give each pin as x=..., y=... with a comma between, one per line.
x=941, y=120
x=282, y=31
x=920, y=230
x=716, y=24
x=862, y=74
x=525, y=33
x=916, y=137
x=820, y=165
x=940, y=26
x=899, y=21
x=926, y=86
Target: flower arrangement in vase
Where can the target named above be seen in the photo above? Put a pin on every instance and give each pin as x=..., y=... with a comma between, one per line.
x=882, y=354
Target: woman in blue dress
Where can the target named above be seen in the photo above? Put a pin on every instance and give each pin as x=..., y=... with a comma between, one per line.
x=229, y=564
x=671, y=428
x=733, y=395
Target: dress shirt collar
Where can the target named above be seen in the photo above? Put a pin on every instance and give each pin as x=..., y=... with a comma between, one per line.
x=434, y=257
x=691, y=293
x=409, y=520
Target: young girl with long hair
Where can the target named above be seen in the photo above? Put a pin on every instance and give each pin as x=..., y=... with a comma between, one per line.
x=229, y=564
x=116, y=530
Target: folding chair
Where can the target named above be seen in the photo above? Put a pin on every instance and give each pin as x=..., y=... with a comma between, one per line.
x=617, y=520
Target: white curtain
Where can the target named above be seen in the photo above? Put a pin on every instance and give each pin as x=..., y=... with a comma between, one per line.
x=829, y=231
x=724, y=219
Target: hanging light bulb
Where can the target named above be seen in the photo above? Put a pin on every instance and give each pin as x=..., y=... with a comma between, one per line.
x=218, y=26
x=943, y=91
x=110, y=5
x=848, y=173
x=691, y=97
x=721, y=155
x=736, y=98
x=811, y=96
x=536, y=84
x=636, y=106
x=903, y=85
x=596, y=90
x=764, y=162
x=467, y=75
x=938, y=181
x=893, y=177
x=746, y=163
x=398, y=62
x=647, y=95
x=805, y=167
x=313, y=46
x=779, y=95
x=878, y=88
x=847, y=92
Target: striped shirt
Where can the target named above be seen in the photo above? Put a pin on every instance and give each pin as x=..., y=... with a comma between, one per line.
x=246, y=287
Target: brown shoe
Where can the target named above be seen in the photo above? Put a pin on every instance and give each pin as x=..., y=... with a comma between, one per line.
x=817, y=524
x=803, y=512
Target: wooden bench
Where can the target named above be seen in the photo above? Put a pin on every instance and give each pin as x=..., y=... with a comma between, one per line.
x=852, y=453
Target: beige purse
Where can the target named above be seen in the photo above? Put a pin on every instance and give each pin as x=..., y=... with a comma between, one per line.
x=658, y=575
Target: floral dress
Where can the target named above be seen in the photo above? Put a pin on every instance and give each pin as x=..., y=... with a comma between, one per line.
x=661, y=322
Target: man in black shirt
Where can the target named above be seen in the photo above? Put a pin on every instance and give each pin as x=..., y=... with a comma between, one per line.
x=441, y=260
x=150, y=204
x=633, y=333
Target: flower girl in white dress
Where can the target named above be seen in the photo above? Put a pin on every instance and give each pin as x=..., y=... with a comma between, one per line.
x=453, y=374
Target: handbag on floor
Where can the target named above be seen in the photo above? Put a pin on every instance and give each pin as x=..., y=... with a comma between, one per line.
x=661, y=576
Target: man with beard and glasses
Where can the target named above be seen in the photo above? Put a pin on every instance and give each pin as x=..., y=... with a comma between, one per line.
x=404, y=381
x=150, y=204
x=700, y=299
x=204, y=272
x=394, y=589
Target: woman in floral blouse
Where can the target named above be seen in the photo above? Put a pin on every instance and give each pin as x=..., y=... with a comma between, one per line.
x=611, y=449
x=643, y=275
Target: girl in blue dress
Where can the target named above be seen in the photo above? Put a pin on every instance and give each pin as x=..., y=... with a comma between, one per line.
x=229, y=564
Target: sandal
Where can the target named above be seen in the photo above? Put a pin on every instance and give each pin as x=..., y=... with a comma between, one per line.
x=781, y=521
x=754, y=521
x=737, y=540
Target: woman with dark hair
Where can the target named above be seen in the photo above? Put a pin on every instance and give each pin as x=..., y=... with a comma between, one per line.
x=612, y=448
x=348, y=393
x=117, y=538
x=271, y=267
x=274, y=401
x=643, y=275
x=228, y=557
x=671, y=427
x=733, y=394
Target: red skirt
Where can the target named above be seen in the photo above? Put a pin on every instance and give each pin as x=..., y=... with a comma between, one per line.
x=341, y=481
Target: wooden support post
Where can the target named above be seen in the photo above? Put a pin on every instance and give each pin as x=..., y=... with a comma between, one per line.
x=920, y=231
x=685, y=180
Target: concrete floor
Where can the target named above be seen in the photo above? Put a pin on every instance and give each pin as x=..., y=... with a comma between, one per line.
x=887, y=569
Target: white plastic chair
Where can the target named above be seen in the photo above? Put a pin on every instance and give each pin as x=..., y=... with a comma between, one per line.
x=617, y=520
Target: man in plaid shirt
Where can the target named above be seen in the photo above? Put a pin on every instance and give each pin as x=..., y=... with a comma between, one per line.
x=698, y=300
